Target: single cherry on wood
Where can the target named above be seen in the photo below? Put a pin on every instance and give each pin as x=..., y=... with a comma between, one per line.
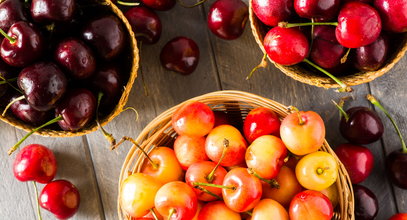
x=49, y=11
x=366, y=204
x=12, y=11
x=145, y=23
x=181, y=55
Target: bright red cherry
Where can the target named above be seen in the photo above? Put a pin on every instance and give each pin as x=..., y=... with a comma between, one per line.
x=270, y=12
x=399, y=216
x=393, y=14
x=260, y=121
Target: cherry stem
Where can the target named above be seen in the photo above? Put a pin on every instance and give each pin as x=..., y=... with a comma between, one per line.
x=375, y=102
x=106, y=134
x=125, y=138
x=273, y=183
x=6, y=81
x=15, y=147
x=11, y=103
x=208, y=192
x=262, y=64
x=300, y=120
x=190, y=6
x=345, y=57
x=341, y=110
x=172, y=212
x=214, y=185
x=344, y=87
x=130, y=4
x=37, y=202
x=11, y=39
x=284, y=24
x=211, y=175
x=312, y=32
x=154, y=215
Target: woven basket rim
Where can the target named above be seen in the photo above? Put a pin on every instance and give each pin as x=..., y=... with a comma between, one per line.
x=152, y=133
x=123, y=99
x=323, y=81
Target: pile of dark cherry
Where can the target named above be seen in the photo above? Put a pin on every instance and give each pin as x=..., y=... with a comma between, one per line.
x=61, y=54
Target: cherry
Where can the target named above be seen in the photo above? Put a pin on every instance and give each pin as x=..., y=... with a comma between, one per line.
x=11, y=11
x=326, y=50
x=145, y=23
x=393, y=14
x=271, y=12
x=194, y=119
x=260, y=121
x=35, y=162
x=43, y=84
x=160, y=5
x=52, y=10
x=75, y=57
x=227, y=18
x=23, y=111
x=358, y=161
x=366, y=205
x=61, y=198
x=108, y=81
x=181, y=55
x=22, y=45
x=371, y=57
x=189, y=150
x=319, y=9
x=399, y=216
x=106, y=35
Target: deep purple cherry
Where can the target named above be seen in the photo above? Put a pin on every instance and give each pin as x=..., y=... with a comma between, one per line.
x=23, y=111
x=326, y=51
x=52, y=10
x=366, y=204
x=323, y=10
x=108, y=81
x=371, y=57
x=145, y=23
x=11, y=11
x=181, y=55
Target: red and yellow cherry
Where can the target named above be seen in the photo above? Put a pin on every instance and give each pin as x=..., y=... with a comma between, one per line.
x=266, y=156
x=260, y=121
x=137, y=194
x=61, y=198
x=332, y=194
x=35, y=162
x=219, y=138
x=193, y=119
x=197, y=211
x=189, y=150
x=317, y=171
x=310, y=205
x=176, y=200
x=393, y=14
x=150, y=215
x=399, y=216
x=289, y=187
x=302, y=132
x=271, y=12
x=269, y=209
x=217, y=210
x=162, y=164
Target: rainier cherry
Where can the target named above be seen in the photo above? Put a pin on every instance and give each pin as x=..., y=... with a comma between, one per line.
x=193, y=119
x=310, y=205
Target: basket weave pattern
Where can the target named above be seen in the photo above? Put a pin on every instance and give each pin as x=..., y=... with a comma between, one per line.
x=159, y=132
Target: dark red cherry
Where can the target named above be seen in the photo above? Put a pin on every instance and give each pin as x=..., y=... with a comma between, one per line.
x=270, y=12
x=286, y=46
x=393, y=14
x=326, y=51
x=366, y=205
x=23, y=111
x=11, y=11
x=371, y=57
x=52, y=10
x=61, y=198
x=181, y=55
x=43, y=84
x=160, y=5
x=396, y=165
x=359, y=24
x=24, y=46
x=363, y=1
x=322, y=10
x=227, y=18
x=77, y=108
x=35, y=162
x=76, y=58
x=145, y=23
x=363, y=126
x=108, y=81
x=106, y=35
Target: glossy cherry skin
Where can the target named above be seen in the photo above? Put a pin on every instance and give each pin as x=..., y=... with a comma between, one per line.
x=160, y=5
x=27, y=48
x=286, y=46
x=181, y=55
x=270, y=12
x=108, y=81
x=326, y=51
x=106, y=35
x=371, y=57
x=61, y=198
x=227, y=18
x=52, y=10
x=359, y=24
x=320, y=9
x=363, y=127
x=393, y=14
x=217, y=210
x=189, y=150
x=76, y=58
x=396, y=164
x=11, y=12
x=310, y=205
x=358, y=161
x=43, y=84
x=145, y=23
x=23, y=111
x=366, y=205
x=399, y=216
x=77, y=108
x=260, y=121
x=35, y=162
x=194, y=119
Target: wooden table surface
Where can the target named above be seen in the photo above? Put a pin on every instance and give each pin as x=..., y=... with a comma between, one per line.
x=89, y=164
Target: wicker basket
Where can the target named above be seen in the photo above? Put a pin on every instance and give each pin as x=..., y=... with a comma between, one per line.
x=160, y=133
x=123, y=99
x=303, y=75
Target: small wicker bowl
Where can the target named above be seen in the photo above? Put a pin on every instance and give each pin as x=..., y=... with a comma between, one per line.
x=159, y=132
x=123, y=99
x=301, y=74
